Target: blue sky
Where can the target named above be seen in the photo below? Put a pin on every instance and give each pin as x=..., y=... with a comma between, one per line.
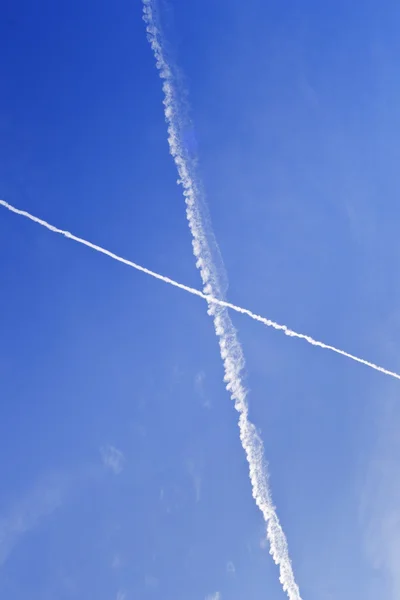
x=122, y=471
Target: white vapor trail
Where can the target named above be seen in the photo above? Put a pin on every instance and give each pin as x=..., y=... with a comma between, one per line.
x=230, y=348
x=205, y=296
x=232, y=356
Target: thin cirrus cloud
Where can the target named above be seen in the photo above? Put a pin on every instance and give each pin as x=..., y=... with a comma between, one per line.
x=199, y=386
x=380, y=498
x=230, y=568
x=113, y=459
x=47, y=496
x=40, y=502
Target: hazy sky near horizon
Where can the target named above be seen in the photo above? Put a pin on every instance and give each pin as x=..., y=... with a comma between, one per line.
x=122, y=472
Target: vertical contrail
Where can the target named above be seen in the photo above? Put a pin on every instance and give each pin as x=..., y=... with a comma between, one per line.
x=230, y=348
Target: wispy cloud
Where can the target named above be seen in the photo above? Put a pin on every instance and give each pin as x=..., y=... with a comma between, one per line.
x=206, y=295
x=215, y=596
x=199, y=380
x=117, y=562
x=230, y=568
x=41, y=501
x=380, y=506
x=196, y=478
x=151, y=582
x=48, y=495
x=113, y=458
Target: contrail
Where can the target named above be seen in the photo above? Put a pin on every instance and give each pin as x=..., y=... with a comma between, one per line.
x=186, y=288
x=233, y=362
x=232, y=355
x=230, y=348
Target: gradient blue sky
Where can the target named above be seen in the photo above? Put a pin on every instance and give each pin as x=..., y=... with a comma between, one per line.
x=122, y=474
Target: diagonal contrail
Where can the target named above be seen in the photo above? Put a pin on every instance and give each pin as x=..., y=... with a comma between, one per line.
x=230, y=348
x=210, y=299
x=250, y=439
x=178, y=126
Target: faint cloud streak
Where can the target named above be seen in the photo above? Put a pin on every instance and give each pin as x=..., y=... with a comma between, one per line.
x=380, y=503
x=39, y=503
x=230, y=568
x=196, y=479
x=199, y=388
x=113, y=459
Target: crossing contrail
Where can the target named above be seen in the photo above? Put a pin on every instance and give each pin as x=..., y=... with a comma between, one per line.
x=190, y=290
x=178, y=126
x=233, y=362
x=230, y=348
